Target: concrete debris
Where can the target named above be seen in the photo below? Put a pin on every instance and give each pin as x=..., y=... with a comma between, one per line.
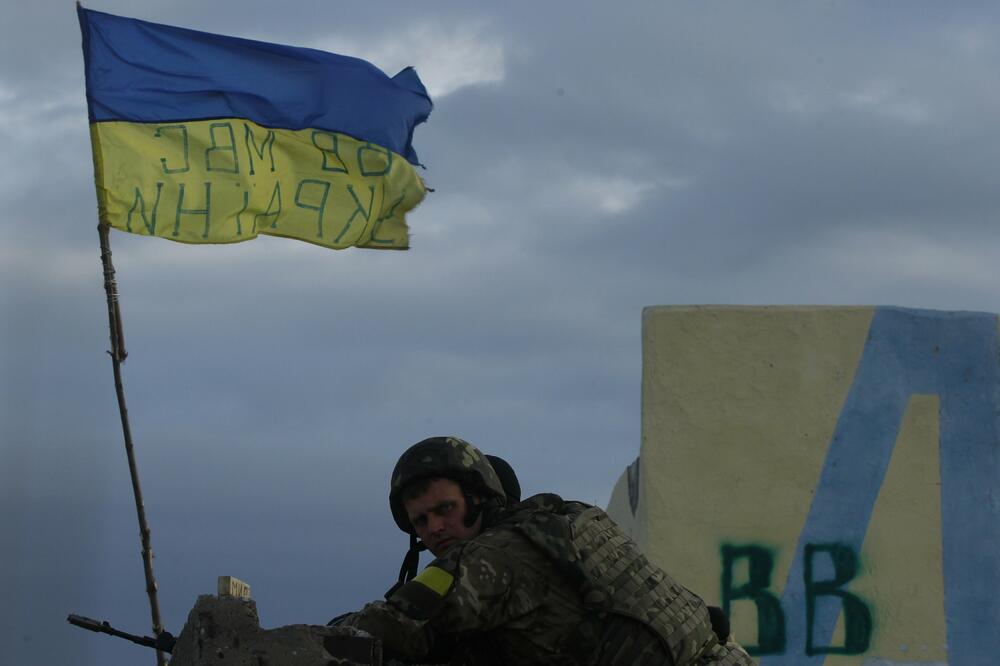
x=226, y=632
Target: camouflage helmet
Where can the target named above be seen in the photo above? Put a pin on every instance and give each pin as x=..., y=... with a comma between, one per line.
x=448, y=458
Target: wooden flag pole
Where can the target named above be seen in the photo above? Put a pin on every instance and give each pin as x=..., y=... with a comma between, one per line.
x=118, y=355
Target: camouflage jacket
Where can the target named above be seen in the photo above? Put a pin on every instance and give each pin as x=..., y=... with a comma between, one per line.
x=522, y=592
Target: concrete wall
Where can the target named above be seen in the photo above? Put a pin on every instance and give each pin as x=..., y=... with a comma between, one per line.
x=831, y=476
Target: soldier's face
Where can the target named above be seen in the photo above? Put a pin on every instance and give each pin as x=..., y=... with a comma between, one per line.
x=438, y=516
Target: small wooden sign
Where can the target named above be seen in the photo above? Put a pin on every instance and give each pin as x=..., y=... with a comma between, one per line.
x=233, y=587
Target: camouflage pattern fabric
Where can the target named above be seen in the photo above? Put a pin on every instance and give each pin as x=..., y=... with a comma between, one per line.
x=617, y=581
x=523, y=592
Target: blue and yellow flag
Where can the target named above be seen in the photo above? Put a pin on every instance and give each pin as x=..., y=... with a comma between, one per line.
x=205, y=138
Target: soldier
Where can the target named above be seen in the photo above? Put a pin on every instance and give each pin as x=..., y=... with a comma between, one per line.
x=544, y=581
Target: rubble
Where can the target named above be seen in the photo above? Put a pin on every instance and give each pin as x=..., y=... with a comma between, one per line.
x=225, y=631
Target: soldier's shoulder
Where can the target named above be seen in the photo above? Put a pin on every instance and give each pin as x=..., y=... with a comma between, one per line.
x=493, y=545
x=501, y=545
x=494, y=541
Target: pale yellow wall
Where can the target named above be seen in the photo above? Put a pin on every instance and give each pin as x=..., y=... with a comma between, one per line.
x=751, y=394
x=739, y=405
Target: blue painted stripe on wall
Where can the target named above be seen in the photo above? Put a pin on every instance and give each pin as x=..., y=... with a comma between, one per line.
x=954, y=355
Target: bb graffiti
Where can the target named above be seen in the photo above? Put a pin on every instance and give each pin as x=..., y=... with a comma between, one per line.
x=828, y=568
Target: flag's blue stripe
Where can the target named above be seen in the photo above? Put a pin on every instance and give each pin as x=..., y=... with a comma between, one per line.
x=147, y=72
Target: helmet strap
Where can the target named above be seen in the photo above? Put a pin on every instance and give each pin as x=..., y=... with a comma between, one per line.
x=408, y=570
x=472, y=509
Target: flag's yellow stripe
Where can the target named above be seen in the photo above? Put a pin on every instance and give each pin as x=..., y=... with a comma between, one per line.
x=228, y=180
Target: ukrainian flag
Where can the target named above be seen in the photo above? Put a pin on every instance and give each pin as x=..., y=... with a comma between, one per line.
x=205, y=138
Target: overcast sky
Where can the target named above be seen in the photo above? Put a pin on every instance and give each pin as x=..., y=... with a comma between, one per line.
x=589, y=159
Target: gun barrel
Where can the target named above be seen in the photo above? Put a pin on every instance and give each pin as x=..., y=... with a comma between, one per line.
x=106, y=628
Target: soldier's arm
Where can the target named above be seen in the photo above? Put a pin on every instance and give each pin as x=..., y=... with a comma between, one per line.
x=403, y=636
x=468, y=589
x=404, y=621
